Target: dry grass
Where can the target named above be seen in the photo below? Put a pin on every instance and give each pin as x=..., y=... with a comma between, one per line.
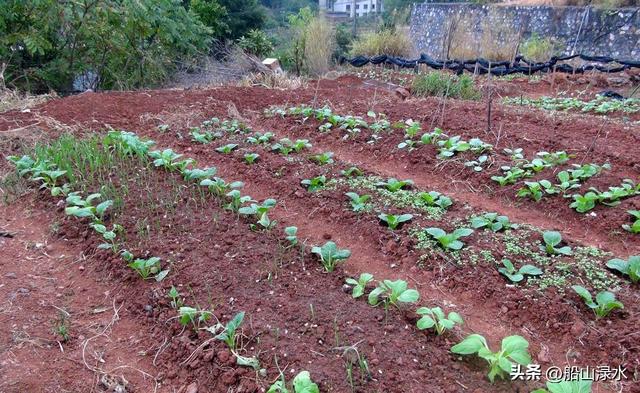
x=15, y=100
x=319, y=45
x=387, y=42
x=470, y=37
x=282, y=81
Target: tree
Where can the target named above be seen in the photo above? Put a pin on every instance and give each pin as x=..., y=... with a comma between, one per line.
x=243, y=15
x=213, y=15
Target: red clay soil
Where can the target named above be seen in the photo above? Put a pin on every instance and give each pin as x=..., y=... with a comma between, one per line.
x=401, y=358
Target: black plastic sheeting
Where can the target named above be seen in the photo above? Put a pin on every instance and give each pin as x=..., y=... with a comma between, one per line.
x=484, y=66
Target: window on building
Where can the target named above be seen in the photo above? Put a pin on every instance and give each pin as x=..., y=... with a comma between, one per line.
x=348, y=7
x=357, y=6
x=366, y=6
x=373, y=6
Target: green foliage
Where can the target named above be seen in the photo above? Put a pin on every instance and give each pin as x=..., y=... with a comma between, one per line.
x=260, y=138
x=434, y=198
x=260, y=211
x=351, y=172
x=193, y=316
x=510, y=272
x=323, y=158
x=243, y=16
x=513, y=349
x=228, y=335
x=212, y=14
x=384, y=42
x=574, y=386
x=392, y=293
x=536, y=190
x=449, y=241
x=435, y=317
x=359, y=285
x=537, y=49
x=358, y=202
x=257, y=43
x=170, y=160
x=174, y=295
x=128, y=44
x=441, y=84
x=635, y=227
x=226, y=149
x=80, y=207
x=600, y=104
x=492, y=221
x=198, y=174
x=315, y=184
x=251, y=158
x=302, y=383
x=604, y=303
x=330, y=255
x=148, y=268
x=109, y=236
x=551, y=239
x=630, y=267
x=219, y=187
x=291, y=235
x=394, y=221
x=394, y=185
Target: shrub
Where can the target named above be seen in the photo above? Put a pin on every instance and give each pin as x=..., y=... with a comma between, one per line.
x=537, y=48
x=386, y=42
x=441, y=84
x=319, y=46
x=257, y=43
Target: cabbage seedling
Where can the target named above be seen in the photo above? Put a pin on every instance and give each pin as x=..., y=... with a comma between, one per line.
x=199, y=174
x=83, y=207
x=431, y=138
x=250, y=158
x=301, y=144
x=226, y=149
x=434, y=198
x=635, y=227
x=173, y=294
x=358, y=202
x=351, y=172
x=236, y=200
x=219, y=187
x=449, y=147
x=605, y=301
x=291, y=235
x=510, y=272
x=536, y=189
x=323, y=159
x=477, y=164
x=260, y=211
x=228, y=335
x=510, y=176
x=394, y=185
x=408, y=144
x=574, y=386
x=148, y=267
x=315, y=184
x=330, y=255
x=131, y=143
x=360, y=284
x=630, y=267
x=260, y=139
x=205, y=137
x=394, y=221
x=392, y=293
x=566, y=182
x=551, y=240
x=492, y=221
x=449, y=240
x=109, y=236
x=302, y=383
x=284, y=146
x=170, y=160
x=435, y=317
x=193, y=316
x=514, y=154
x=513, y=349
x=586, y=202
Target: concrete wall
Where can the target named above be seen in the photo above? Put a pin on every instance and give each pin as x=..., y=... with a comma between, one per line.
x=613, y=32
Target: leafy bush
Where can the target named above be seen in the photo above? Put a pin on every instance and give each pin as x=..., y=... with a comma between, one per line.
x=538, y=49
x=604, y=303
x=441, y=84
x=513, y=349
x=256, y=42
x=330, y=255
x=386, y=42
x=630, y=267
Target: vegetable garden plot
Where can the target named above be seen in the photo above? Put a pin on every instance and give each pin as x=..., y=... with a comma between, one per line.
x=481, y=288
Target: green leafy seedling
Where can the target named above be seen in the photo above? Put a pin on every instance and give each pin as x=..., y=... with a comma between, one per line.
x=148, y=268
x=449, y=241
x=510, y=272
x=435, y=317
x=394, y=185
x=302, y=383
x=551, y=240
x=291, y=235
x=228, y=335
x=315, y=184
x=323, y=158
x=513, y=349
x=358, y=202
x=492, y=221
x=635, y=227
x=574, y=386
x=393, y=221
x=392, y=293
x=251, y=158
x=630, y=267
x=604, y=303
x=434, y=198
x=193, y=316
x=226, y=149
x=360, y=284
x=330, y=255
x=199, y=174
x=174, y=295
x=351, y=172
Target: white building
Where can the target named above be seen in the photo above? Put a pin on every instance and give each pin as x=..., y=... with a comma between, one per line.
x=362, y=7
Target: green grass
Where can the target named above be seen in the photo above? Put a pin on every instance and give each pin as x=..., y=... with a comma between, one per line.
x=440, y=84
